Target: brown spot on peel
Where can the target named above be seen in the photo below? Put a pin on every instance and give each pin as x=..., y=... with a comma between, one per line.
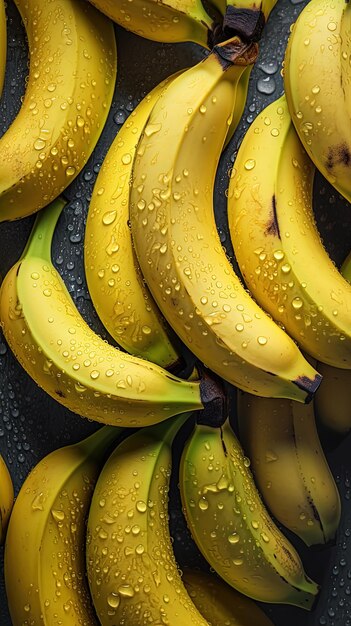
x=273, y=226
x=338, y=155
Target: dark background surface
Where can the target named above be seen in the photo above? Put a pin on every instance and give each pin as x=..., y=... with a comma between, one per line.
x=31, y=423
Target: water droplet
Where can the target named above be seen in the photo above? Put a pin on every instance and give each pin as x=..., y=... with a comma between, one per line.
x=297, y=303
x=58, y=515
x=151, y=129
x=250, y=164
x=262, y=340
x=126, y=591
x=109, y=217
x=113, y=600
x=39, y=144
x=233, y=538
x=203, y=504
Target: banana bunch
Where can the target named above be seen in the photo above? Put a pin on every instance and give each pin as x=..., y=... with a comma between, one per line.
x=72, y=72
x=6, y=498
x=316, y=77
x=116, y=285
x=3, y=44
x=276, y=241
x=177, y=243
x=230, y=524
x=133, y=576
x=73, y=364
x=45, y=546
x=289, y=467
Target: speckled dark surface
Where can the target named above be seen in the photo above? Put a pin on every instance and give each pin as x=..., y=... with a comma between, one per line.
x=31, y=423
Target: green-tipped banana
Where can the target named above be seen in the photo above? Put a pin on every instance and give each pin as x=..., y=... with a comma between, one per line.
x=289, y=466
x=72, y=73
x=170, y=21
x=45, y=547
x=276, y=241
x=317, y=76
x=67, y=359
x=133, y=576
x=3, y=44
x=177, y=243
x=219, y=603
x=6, y=498
x=230, y=524
x=116, y=285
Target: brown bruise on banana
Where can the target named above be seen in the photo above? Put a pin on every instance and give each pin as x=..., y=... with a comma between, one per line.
x=273, y=226
x=338, y=155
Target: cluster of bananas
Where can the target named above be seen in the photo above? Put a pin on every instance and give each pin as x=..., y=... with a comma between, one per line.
x=90, y=537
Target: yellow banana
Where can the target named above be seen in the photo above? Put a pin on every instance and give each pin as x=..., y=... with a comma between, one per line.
x=116, y=285
x=219, y=603
x=176, y=240
x=346, y=268
x=276, y=241
x=317, y=76
x=45, y=546
x=288, y=463
x=3, y=44
x=6, y=498
x=68, y=360
x=71, y=80
x=133, y=576
x=333, y=400
x=230, y=524
x=169, y=21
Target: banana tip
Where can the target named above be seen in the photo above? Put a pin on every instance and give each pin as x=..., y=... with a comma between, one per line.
x=308, y=385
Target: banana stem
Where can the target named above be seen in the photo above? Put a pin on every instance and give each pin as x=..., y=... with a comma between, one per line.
x=40, y=239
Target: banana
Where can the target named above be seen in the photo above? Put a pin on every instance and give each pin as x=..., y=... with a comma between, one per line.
x=68, y=360
x=45, y=547
x=316, y=76
x=333, y=400
x=116, y=286
x=6, y=498
x=176, y=240
x=276, y=241
x=3, y=44
x=133, y=576
x=220, y=604
x=346, y=268
x=168, y=21
x=231, y=526
x=71, y=81
x=289, y=467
